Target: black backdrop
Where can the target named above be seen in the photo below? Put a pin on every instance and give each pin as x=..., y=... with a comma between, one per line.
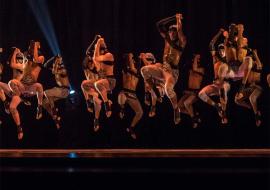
x=129, y=25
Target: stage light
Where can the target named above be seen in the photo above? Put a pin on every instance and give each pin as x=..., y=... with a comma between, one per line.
x=41, y=13
x=72, y=155
x=72, y=92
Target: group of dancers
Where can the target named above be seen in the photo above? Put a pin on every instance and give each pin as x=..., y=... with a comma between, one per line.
x=233, y=60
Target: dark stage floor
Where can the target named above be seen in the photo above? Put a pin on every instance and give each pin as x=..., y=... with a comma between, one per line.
x=150, y=168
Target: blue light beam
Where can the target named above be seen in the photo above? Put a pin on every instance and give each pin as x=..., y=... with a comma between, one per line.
x=41, y=13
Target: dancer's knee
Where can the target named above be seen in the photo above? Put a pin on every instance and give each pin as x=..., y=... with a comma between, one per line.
x=203, y=96
x=170, y=91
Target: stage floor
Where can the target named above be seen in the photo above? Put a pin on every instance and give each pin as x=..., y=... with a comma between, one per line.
x=134, y=153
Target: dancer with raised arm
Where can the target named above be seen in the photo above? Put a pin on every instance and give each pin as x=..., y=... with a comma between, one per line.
x=28, y=85
x=60, y=92
x=128, y=93
x=91, y=95
x=175, y=42
x=104, y=62
x=156, y=91
x=219, y=87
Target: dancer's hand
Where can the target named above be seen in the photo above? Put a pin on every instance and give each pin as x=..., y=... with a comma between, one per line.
x=142, y=55
x=101, y=40
x=179, y=16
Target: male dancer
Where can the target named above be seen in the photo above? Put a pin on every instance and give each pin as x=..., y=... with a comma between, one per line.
x=219, y=87
x=251, y=89
x=59, y=92
x=190, y=95
x=156, y=90
x=175, y=42
x=128, y=93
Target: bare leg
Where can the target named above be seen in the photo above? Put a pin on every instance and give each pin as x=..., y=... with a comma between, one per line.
x=189, y=107
x=188, y=103
x=211, y=90
x=181, y=104
x=121, y=101
x=2, y=95
x=169, y=90
x=89, y=92
x=97, y=108
x=151, y=73
x=46, y=105
x=253, y=101
x=16, y=87
x=4, y=89
x=245, y=69
x=15, y=115
x=102, y=86
x=152, y=111
x=223, y=95
x=136, y=106
x=38, y=89
x=206, y=92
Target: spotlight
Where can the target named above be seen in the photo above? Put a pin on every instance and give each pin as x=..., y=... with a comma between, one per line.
x=72, y=92
x=73, y=99
x=72, y=155
x=41, y=13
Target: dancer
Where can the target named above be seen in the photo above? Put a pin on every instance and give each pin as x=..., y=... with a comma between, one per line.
x=156, y=91
x=251, y=89
x=187, y=101
x=104, y=62
x=91, y=95
x=28, y=86
x=175, y=42
x=60, y=92
x=128, y=93
x=17, y=64
x=219, y=87
x=236, y=48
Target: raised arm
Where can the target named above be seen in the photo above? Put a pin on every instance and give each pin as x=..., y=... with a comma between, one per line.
x=195, y=66
x=37, y=58
x=55, y=67
x=98, y=57
x=91, y=46
x=214, y=40
x=13, y=62
x=162, y=25
x=181, y=36
x=257, y=60
x=144, y=60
